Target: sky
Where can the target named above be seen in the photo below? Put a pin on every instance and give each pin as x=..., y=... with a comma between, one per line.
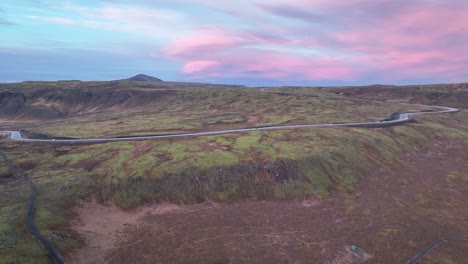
x=250, y=42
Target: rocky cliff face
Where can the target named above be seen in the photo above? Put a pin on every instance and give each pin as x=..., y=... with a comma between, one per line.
x=271, y=179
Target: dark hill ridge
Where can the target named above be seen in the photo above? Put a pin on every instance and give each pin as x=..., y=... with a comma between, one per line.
x=142, y=78
x=47, y=100
x=454, y=95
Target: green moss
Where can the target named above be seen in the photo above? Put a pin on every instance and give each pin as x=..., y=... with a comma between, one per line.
x=214, y=159
x=294, y=190
x=224, y=141
x=245, y=142
x=231, y=193
x=287, y=164
x=143, y=164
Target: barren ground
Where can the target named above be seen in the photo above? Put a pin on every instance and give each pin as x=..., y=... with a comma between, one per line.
x=392, y=216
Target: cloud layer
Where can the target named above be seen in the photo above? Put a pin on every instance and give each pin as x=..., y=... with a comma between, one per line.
x=296, y=41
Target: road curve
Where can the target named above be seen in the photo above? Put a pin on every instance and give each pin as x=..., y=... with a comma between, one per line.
x=358, y=252
x=400, y=118
x=433, y=245
x=397, y=119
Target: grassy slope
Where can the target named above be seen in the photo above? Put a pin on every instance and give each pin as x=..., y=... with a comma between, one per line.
x=259, y=165
x=454, y=95
x=109, y=109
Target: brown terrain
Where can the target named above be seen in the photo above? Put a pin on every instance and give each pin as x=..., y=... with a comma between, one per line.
x=344, y=195
x=392, y=216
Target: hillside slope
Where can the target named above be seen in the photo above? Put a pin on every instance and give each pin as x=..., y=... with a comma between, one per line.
x=143, y=78
x=96, y=109
x=316, y=191
x=44, y=100
x=454, y=95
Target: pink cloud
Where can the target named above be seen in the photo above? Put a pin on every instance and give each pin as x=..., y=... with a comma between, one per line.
x=205, y=41
x=392, y=40
x=421, y=40
x=284, y=66
x=227, y=54
x=420, y=43
x=272, y=65
x=200, y=66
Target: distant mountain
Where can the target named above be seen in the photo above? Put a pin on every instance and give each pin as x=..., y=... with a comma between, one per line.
x=142, y=78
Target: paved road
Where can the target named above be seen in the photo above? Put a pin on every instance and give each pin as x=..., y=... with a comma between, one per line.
x=401, y=118
x=31, y=216
x=398, y=119
x=433, y=245
x=359, y=252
